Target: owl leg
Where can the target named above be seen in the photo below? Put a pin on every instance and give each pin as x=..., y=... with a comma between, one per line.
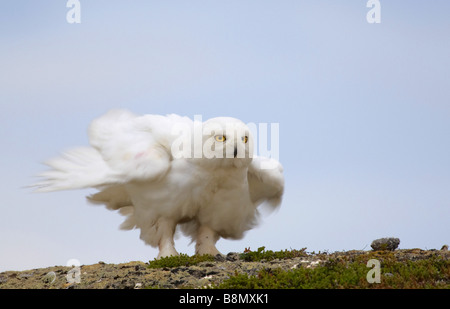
x=206, y=241
x=166, y=244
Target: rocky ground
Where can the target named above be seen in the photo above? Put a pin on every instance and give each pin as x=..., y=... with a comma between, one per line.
x=138, y=275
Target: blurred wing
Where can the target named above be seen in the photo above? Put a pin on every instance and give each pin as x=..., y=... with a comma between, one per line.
x=77, y=168
x=116, y=197
x=125, y=147
x=137, y=148
x=266, y=181
x=130, y=146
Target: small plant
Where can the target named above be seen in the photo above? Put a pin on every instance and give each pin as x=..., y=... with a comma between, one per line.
x=179, y=260
x=268, y=255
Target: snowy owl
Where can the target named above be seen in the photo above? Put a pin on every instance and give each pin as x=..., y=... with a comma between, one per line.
x=169, y=172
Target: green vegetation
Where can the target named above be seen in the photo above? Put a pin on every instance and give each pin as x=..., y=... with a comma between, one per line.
x=350, y=273
x=342, y=270
x=268, y=255
x=180, y=260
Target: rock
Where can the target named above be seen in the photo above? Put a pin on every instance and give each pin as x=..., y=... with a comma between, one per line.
x=385, y=244
x=197, y=273
x=219, y=258
x=232, y=256
x=444, y=248
x=26, y=276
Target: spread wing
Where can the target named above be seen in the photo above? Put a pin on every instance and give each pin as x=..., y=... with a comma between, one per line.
x=131, y=146
x=266, y=181
x=124, y=148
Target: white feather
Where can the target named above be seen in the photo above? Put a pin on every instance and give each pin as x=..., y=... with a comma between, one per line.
x=266, y=181
x=132, y=164
x=78, y=168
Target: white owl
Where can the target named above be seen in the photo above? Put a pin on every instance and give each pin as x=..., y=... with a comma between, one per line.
x=164, y=172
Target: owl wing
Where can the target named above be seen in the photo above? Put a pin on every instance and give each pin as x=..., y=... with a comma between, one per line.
x=266, y=181
x=133, y=147
x=124, y=148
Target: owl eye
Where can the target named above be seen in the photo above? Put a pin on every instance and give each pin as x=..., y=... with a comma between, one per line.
x=244, y=139
x=220, y=138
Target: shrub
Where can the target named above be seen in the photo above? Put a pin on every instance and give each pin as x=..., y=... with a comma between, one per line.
x=268, y=255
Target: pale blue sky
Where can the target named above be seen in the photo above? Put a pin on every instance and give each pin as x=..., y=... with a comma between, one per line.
x=363, y=111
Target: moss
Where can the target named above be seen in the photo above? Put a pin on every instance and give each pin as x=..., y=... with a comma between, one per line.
x=349, y=273
x=431, y=273
x=325, y=277
x=180, y=260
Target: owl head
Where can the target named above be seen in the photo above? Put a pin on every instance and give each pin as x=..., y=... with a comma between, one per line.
x=226, y=141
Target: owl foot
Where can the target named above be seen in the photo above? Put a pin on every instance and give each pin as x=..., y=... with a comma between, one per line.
x=206, y=241
x=166, y=250
x=166, y=244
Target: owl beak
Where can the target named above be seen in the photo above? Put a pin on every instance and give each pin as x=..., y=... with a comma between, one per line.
x=235, y=152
